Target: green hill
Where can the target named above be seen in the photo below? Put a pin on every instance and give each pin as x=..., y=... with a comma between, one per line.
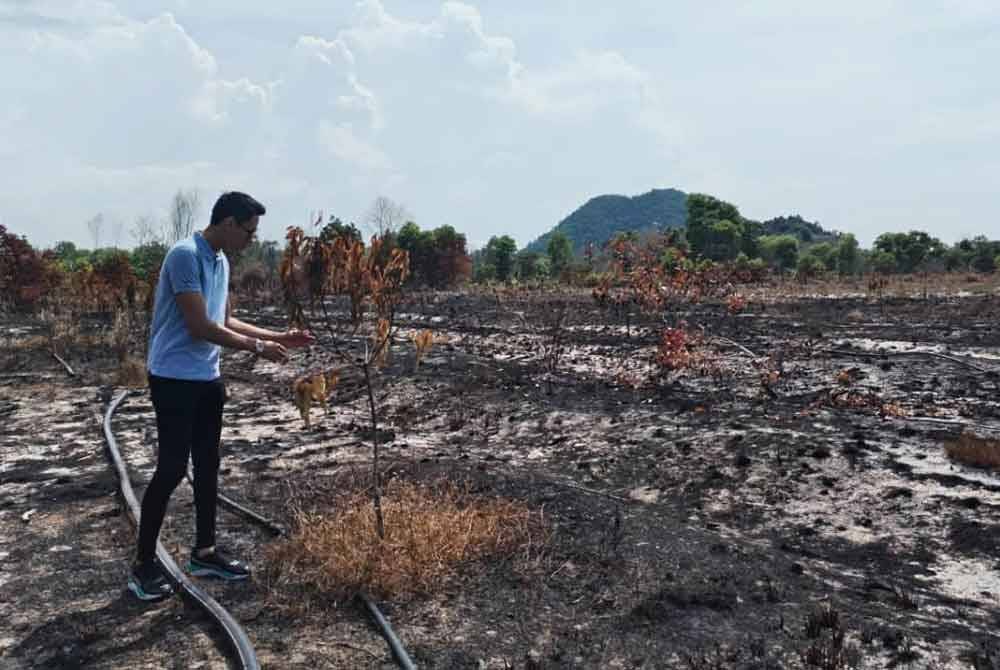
x=600, y=218
x=795, y=225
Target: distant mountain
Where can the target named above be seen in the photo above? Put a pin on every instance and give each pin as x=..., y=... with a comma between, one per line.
x=600, y=218
x=805, y=231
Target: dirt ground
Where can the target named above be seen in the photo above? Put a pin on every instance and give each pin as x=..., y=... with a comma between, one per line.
x=697, y=521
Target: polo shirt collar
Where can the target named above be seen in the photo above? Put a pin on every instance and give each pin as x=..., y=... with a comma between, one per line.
x=204, y=248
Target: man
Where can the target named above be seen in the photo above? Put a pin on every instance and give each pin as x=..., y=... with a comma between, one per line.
x=191, y=322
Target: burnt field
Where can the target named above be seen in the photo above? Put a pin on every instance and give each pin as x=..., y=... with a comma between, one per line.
x=770, y=490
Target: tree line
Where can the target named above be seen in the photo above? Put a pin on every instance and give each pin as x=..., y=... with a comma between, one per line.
x=716, y=233
x=439, y=256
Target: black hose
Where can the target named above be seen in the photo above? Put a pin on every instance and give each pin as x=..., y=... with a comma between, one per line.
x=397, y=647
x=235, y=634
x=398, y=651
x=234, y=506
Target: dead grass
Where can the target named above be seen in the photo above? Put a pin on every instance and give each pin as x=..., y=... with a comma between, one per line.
x=897, y=286
x=131, y=373
x=973, y=450
x=30, y=343
x=431, y=531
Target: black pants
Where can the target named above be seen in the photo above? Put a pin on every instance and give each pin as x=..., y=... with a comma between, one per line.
x=188, y=423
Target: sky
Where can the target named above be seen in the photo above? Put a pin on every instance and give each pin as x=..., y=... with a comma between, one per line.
x=499, y=116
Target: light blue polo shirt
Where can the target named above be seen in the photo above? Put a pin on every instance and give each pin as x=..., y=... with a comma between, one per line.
x=190, y=266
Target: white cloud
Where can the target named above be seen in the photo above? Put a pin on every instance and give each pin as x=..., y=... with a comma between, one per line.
x=487, y=50
x=581, y=87
x=327, y=68
x=334, y=53
x=125, y=93
x=376, y=29
x=343, y=144
x=476, y=116
x=220, y=99
x=59, y=13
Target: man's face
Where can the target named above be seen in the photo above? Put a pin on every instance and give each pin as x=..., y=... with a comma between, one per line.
x=242, y=234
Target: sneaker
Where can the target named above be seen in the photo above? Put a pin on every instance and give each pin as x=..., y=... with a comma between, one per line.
x=148, y=582
x=218, y=564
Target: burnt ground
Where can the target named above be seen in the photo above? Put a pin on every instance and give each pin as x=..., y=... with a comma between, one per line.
x=697, y=520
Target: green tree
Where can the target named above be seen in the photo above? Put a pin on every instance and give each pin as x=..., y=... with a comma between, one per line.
x=336, y=228
x=982, y=254
x=530, y=265
x=955, y=259
x=64, y=251
x=147, y=259
x=500, y=254
x=848, y=255
x=809, y=266
x=911, y=249
x=824, y=253
x=724, y=240
x=419, y=244
x=482, y=270
x=703, y=211
x=751, y=234
x=560, y=252
x=780, y=251
x=884, y=262
x=409, y=237
x=984, y=263
x=69, y=257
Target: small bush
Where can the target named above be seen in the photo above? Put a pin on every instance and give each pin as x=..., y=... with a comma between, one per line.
x=974, y=450
x=429, y=534
x=131, y=373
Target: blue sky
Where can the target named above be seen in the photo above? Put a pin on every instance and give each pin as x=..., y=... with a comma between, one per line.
x=499, y=117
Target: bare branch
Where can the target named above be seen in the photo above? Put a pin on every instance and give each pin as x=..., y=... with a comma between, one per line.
x=385, y=216
x=183, y=212
x=95, y=226
x=143, y=232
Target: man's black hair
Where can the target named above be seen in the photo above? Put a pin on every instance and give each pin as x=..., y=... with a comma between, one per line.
x=238, y=205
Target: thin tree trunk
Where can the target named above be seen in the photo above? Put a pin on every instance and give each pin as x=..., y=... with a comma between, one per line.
x=376, y=478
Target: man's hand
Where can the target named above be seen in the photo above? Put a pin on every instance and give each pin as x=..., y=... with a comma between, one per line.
x=295, y=338
x=275, y=352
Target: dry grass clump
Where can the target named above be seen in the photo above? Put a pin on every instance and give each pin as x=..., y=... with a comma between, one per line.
x=30, y=343
x=131, y=373
x=971, y=449
x=429, y=533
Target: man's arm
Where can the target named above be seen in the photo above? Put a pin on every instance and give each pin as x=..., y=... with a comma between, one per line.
x=289, y=338
x=244, y=328
x=192, y=306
